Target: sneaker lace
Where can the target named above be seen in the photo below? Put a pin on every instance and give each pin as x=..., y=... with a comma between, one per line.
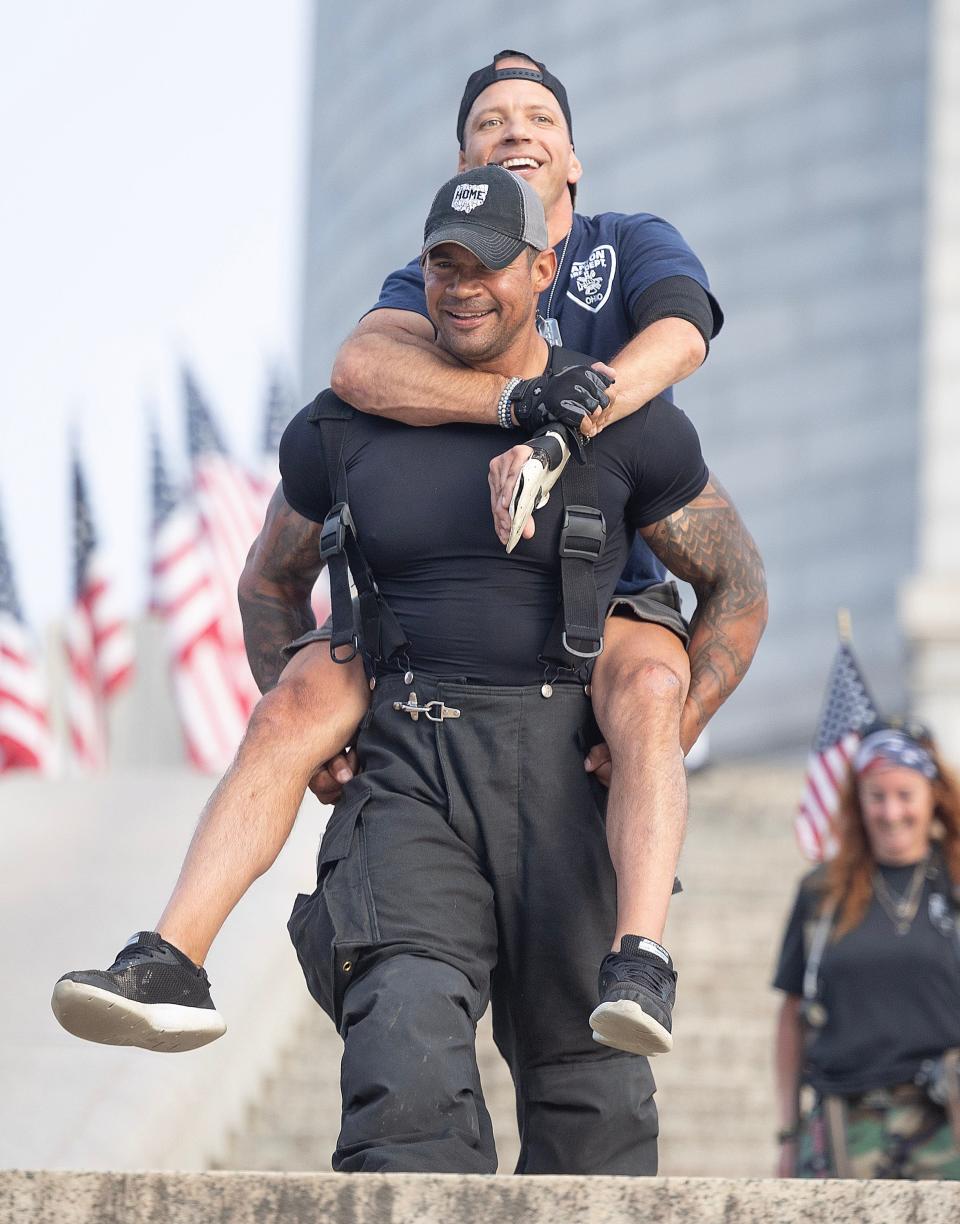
x=135, y=952
x=652, y=976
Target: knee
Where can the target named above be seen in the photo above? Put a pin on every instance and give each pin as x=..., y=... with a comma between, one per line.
x=644, y=692
x=408, y=1019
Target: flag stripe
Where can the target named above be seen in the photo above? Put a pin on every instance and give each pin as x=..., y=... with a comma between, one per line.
x=847, y=708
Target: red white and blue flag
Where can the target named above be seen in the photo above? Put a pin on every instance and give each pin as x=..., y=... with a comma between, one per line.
x=97, y=637
x=231, y=504
x=847, y=708
x=25, y=740
x=187, y=598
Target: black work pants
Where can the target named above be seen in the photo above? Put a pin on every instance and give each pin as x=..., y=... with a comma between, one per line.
x=469, y=860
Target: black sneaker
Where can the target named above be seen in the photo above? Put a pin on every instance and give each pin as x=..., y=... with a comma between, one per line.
x=152, y=996
x=637, y=990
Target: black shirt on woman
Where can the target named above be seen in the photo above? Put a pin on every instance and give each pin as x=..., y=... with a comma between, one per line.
x=891, y=1000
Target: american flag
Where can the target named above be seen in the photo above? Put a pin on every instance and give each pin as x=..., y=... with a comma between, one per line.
x=25, y=741
x=185, y=595
x=847, y=708
x=98, y=641
x=232, y=504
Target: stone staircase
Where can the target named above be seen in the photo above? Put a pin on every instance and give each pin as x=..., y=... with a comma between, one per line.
x=715, y=1091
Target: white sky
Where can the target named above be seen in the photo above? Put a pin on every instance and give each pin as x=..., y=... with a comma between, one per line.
x=153, y=159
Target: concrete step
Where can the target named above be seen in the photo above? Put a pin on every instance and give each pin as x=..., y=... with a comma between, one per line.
x=249, y=1198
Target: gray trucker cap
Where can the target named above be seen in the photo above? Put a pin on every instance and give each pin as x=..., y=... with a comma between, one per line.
x=491, y=212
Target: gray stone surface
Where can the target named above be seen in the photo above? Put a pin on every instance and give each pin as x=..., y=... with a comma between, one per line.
x=254, y=1198
x=787, y=142
x=86, y=862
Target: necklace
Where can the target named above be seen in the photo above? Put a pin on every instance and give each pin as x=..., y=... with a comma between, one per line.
x=548, y=327
x=901, y=910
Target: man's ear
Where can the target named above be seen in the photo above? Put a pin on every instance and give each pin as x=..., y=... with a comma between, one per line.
x=575, y=171
x=461, y=162
x=543, y=269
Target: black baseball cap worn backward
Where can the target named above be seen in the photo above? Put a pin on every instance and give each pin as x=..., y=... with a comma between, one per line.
x=491, y=212
x=484, y=77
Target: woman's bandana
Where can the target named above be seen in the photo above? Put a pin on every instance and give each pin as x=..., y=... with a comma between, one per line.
x=896, y=749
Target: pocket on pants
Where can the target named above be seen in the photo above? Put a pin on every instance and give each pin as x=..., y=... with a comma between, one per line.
x=332, y=926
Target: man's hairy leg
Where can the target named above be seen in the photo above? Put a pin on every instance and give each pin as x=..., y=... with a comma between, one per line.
x=306, y=719
x=639, y=686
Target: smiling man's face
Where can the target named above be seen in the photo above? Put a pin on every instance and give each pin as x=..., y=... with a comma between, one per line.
x=519, y=125
x=481, y=313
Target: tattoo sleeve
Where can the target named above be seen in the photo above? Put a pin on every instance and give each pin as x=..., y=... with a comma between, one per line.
x=275, y=588
x=706, y=544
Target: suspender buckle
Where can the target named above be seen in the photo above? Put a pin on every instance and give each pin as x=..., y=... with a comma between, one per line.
x=581, y=654
x=584, y=534
x=333, y=533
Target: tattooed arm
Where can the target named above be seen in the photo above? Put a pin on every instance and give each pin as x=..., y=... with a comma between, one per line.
x=707, y=545
x=275, y=587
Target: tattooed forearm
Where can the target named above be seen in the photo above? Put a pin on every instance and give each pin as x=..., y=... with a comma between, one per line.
x=707, y=545
x=275, y=588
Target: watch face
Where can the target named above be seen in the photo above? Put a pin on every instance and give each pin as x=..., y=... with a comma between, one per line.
x=815, y=1014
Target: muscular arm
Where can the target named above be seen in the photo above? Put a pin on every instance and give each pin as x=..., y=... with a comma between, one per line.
x=275, y=586
x=390, y=366
x=663, y=354
x=707, y=545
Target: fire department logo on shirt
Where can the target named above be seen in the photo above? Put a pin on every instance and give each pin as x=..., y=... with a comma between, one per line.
x=469, y=196
x=591, y=279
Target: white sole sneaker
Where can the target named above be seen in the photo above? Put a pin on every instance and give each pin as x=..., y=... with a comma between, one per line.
x=98, y=1015
x=624, y=1025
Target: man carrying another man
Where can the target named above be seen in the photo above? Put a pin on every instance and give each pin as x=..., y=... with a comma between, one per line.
x=513, y=113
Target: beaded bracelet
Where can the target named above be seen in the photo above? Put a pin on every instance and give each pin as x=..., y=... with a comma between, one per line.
x=504, y=414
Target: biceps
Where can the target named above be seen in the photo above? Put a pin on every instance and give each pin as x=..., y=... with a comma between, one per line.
x=395, y=324
x=287, y=550
x=706, y=543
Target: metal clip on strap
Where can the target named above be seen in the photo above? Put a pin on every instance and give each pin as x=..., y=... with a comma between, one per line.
x=435, y=711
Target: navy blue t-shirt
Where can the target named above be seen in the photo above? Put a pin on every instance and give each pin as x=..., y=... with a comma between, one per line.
x=609, y=263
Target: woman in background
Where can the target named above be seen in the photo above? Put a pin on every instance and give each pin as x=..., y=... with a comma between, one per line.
x=870, y=967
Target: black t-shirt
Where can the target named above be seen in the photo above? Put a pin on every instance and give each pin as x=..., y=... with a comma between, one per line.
x=891, y=1000
x=421, y=504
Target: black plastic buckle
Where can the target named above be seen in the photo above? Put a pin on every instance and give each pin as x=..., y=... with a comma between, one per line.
x=589, y=525
x=333, y=533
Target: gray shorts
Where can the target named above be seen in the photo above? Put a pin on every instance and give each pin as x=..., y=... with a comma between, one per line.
x=656, y=605
x=323, y=634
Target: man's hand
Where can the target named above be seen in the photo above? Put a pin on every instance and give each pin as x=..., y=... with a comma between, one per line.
x=573, y=397
x=502, y=477
x=598, y=763
x=330, y=779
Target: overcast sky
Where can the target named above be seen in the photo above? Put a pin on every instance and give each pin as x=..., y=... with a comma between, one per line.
x=151, y=211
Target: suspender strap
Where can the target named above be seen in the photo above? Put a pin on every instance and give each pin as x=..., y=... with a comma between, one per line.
x=577, y=633
x=377, y=632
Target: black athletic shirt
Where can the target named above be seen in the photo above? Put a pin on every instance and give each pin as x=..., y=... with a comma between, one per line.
x=891, y=1000
x=421, y=504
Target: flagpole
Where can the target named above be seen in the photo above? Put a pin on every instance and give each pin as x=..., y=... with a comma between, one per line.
x=844, y=626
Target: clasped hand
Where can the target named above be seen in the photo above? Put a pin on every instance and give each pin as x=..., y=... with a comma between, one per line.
x=587, y=392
